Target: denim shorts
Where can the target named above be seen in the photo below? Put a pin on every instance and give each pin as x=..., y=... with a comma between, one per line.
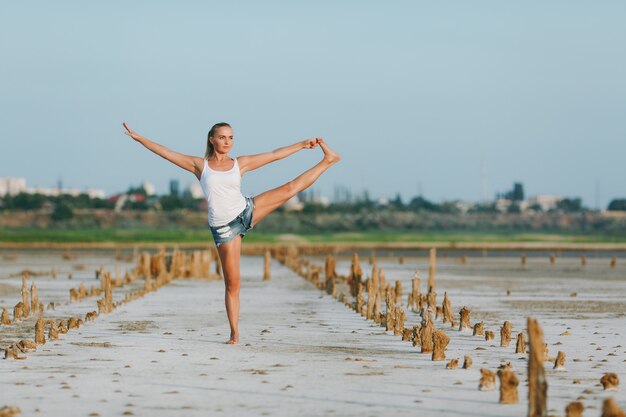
x=238, y=226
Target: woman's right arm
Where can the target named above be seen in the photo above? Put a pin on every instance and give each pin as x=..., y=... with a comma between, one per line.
x=190, y=163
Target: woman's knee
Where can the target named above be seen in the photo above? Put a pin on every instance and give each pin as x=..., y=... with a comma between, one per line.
x=232, y=286
x=291, y=188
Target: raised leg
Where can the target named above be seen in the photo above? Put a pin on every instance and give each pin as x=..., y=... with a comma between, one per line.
x=230, y=253
x=270, y=200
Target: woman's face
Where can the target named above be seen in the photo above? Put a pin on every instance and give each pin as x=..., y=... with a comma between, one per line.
x=223, y=139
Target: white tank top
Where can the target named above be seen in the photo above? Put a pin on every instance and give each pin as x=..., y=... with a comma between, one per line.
x=222, y=190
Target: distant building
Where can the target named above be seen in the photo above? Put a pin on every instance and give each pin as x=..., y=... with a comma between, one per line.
x=148, y=188
x=503, y=204
x=293, y=204
x=120, y=199
x=195, y=189
x=463, y=206
x=174, y=188
x=545, y=202
x=12, y=186
x=382, y=202
x=322, y=201
x=93, y=193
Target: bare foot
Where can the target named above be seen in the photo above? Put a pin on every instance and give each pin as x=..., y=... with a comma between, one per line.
x=234, y=339
x=330, y=156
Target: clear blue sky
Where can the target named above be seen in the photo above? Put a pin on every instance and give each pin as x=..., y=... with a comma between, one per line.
x=407, y=91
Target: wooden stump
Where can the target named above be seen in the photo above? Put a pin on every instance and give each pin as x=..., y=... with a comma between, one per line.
x=18, y=312
x=467, y=362
x=431, y=300
x=574, y=409
x=464, y=314
x=53, y=332
x=74, y=295
x=487, y=380
x=438, y=312
x=520, y=345
x=398, y=321
x=377, y=307
x=447, y=309
x=505, y=334
x=390, y=315
x=537, y=384
x=611, y=409
x=108, y=293
x=355, y=274
x=432, y=268
x=40, y=337
x=440, y=342
x=73, y=323
x=372, y=257
x=479, y=329
x=453, y=364
x=63, y=327
x=416, y=339
x=267, y=260
x=426, y=335
x=331, y=287
x=360, y=300
x=508, y=386
x=34, y=299
x=398, y=292
x=5, y=320
x=559, y=363
x=27, y=346
x=610, y=381
x=25, y=302
x=414, y=305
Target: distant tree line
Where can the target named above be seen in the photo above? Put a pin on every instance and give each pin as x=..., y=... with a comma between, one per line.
x=62, y=206
x=618, y=205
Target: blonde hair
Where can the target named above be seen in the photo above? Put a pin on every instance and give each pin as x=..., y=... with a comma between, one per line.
x=210, y=149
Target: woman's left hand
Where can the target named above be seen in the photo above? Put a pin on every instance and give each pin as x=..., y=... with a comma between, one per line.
x=309, y=143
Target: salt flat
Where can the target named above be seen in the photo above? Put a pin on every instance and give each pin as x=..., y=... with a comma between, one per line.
x=304, y=353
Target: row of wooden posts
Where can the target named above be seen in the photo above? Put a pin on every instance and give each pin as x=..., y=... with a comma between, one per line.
x=157, y=270
x=424, y=335
x=583, y=261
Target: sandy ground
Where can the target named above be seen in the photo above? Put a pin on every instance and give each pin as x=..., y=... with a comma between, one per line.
x=304, y=353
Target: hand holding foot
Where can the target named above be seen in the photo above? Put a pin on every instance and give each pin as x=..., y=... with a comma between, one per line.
x=330, y=156
x=309, y=143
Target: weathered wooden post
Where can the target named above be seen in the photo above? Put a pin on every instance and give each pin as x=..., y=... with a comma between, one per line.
x=267, y=259
x=537, y=384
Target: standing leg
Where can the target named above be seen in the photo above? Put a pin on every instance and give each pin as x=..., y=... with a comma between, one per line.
x=270, y=200
x=230, y=253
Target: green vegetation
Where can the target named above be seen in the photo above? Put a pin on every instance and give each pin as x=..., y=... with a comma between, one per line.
x=62, y=212
x=618, y=204
x=144, y=235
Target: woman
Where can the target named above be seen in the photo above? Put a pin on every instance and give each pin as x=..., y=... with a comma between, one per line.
x=231, y=214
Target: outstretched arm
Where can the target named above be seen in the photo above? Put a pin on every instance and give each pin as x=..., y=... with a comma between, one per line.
x=248, y=163
x=190, y=163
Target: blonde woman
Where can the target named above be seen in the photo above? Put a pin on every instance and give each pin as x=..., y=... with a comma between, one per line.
x=230, y=214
